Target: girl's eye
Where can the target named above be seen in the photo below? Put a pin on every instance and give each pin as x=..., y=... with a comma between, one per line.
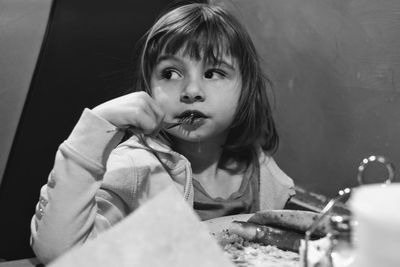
x=170, y=74
x=214, y=74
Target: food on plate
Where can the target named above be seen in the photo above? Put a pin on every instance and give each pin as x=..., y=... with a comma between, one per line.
x=296, y=220
x=285, y=239
x=281, y=228
x=244, y=253
x=274, y=238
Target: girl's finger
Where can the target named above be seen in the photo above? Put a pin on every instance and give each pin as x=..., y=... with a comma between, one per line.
x=154, y=111
x=147, y=123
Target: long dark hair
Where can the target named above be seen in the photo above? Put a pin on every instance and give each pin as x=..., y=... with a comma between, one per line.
x=207, y=32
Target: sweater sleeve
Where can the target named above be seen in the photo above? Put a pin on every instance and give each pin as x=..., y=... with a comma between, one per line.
x=67, y=212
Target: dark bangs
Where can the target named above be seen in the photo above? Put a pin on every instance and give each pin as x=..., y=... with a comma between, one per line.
x=201, y=32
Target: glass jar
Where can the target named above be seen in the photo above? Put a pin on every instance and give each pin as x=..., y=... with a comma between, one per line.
x=341, y=249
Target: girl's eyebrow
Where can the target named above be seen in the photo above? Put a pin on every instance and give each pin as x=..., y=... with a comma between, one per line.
x=225, y=64
x=219, y=63
x=168, y=57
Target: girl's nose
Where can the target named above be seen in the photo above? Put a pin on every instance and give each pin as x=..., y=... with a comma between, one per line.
x=192, y=93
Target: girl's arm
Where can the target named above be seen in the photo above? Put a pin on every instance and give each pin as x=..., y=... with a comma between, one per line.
x=67, y=212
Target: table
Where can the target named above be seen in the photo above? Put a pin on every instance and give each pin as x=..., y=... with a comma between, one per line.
x=32, y=262
x=303, y=200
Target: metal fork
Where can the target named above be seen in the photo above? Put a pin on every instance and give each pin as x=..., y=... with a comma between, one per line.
x=165, y=125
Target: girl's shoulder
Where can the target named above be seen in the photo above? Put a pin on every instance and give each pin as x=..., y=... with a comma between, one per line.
x=146, y=155
x=135, y=154
x=129, y=166
x=270, y=169
x=276, y=187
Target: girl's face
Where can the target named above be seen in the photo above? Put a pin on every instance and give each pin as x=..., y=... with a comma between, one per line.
x=210, y=92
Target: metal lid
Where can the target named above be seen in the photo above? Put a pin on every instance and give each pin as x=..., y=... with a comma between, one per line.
x=341, y=223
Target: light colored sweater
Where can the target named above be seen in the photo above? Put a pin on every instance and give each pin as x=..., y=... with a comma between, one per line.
x=95, y=184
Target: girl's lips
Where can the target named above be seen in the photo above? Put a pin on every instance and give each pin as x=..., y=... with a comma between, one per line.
x=191, y=114
x=191, y=117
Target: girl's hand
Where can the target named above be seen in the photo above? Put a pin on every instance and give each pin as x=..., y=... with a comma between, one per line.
x=135, y=109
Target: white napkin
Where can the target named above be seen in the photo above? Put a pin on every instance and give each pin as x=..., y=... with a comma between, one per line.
x=163, y=232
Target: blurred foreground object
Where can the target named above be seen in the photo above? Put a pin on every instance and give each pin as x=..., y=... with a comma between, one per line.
x=377, y=235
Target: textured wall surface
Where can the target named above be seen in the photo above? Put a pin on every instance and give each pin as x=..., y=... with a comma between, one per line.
x=335, y=65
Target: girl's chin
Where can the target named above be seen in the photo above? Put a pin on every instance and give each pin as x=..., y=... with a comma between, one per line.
x=190, y=131
x=194, y=135
x=198, y=135
x=197, y=132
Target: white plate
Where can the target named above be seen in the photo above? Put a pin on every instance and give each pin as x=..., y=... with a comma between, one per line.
x=217, y=225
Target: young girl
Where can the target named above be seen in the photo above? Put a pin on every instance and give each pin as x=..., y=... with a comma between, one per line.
x=199, y=71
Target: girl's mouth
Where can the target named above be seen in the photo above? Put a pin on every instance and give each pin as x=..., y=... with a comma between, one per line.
x=189, y=117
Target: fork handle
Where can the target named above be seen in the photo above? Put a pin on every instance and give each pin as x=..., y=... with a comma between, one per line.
x=136, y=130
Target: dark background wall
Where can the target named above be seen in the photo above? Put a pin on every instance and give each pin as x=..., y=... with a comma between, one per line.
x=86, y=58
x=336, y=69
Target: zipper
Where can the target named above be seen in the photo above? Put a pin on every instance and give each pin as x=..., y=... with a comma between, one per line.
x=189, y=180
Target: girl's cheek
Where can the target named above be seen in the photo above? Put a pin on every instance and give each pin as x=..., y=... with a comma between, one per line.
x=161, y=97
x=159, y=94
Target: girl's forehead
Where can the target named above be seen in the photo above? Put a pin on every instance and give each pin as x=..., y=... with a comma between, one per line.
x=184, y=55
